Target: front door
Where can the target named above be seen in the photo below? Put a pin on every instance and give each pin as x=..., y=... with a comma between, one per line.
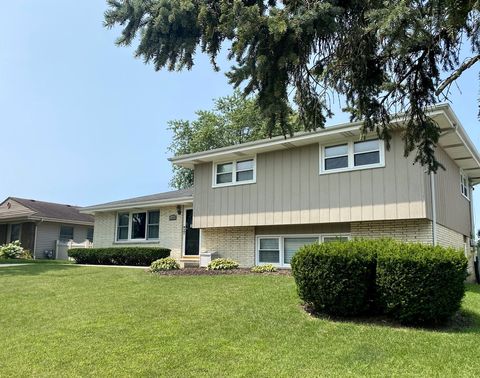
x=192, y=235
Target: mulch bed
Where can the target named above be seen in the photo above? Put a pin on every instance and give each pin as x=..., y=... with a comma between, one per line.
x=205, y=272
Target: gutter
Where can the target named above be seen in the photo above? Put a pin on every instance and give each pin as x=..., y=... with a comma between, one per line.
x=136, y=205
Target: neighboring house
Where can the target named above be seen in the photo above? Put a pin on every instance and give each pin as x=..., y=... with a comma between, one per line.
x=258, y=202
x=42, y=226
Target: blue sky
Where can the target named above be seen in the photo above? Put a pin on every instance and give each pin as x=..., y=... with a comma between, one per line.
x=83, y=122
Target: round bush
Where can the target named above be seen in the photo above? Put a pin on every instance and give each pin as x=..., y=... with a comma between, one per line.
x=264, y=268
x=222, y=264
x=336, y=278
x=167, y=263
x=420, y=284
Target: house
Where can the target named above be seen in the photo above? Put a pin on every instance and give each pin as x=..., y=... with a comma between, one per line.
x=258, y=202
x=43, y=226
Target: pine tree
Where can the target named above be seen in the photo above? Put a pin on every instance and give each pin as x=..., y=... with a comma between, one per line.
x=381, y=56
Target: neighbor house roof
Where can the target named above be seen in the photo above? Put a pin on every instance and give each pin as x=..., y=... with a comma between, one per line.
x=175, y=197
x=47, y=211
x=454, y=140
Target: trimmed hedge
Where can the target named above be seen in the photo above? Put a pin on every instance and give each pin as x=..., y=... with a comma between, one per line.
x=413, y=283
x=139, y=256
x=420, y=284
x=335, y=278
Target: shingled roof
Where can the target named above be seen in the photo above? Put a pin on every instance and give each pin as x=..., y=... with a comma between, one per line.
x=53, y=211
x=175, y=196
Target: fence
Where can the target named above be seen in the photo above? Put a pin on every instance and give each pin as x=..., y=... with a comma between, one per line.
x=61, y=248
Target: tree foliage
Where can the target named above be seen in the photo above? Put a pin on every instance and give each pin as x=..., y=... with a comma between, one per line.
x=234, y=119
x=381, y=56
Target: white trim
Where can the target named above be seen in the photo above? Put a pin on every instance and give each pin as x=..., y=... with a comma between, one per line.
x=137, y=205
x=234, y=181
x=129, y=240
x=351, y=156
x=281, y=241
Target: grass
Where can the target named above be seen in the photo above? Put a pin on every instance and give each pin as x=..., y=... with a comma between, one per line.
x=36, y=261
x=90, y=321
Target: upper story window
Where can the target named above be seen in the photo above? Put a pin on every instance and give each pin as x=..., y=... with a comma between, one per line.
x=66, y=233
x=142, y=225
x=464, y=187
x=234, y=172
x=352, y=156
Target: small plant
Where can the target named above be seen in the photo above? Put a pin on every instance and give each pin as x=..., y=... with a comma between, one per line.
x=167, y=263
x=222, y=264
x=14, y=250
x=264, y=268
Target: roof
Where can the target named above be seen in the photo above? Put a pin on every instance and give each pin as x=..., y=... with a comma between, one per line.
x=454, y=140
x=51, y=211
x=174, y=197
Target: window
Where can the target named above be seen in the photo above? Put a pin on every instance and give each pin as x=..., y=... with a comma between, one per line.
x=122, y=229
x=329, y=239
x=464, y=187
x=234, y=172
x=336, y=157
x=138, y=225
x=366, y=153
x=15, y=230
x=292, y=245
x=66, y=233
x=139, y=222
x=153, y=224
x=279, y=250
x=269, y=251
x=352, y=155
x=90, y=234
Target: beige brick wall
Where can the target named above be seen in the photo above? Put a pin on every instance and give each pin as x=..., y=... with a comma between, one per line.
x=414, y=230
x=171, y=232
x=237, y=243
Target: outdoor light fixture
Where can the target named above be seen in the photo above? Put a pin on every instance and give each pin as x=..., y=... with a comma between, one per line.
x=179, y=209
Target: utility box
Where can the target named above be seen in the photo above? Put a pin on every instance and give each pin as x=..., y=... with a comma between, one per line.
x=205, y=258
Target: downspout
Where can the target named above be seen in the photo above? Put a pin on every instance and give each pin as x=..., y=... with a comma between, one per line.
x=35, y=240
x=434, y=209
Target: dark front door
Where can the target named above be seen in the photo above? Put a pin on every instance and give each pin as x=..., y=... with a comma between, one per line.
x=192, y=235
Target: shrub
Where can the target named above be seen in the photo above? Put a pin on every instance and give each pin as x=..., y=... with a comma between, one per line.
x=420, y=284
x=264, y=268
x=222, y=264
x=336, y=278
x=14, y=250
x=140, y=256
x=167, y=263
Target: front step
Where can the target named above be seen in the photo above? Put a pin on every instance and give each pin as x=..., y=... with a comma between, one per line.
x=190, y=262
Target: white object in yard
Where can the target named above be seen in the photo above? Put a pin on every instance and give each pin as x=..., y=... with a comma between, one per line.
x=205, y=258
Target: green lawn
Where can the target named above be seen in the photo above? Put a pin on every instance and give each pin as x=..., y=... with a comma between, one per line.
x=83, y=321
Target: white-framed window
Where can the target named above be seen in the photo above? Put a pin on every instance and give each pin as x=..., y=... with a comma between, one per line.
x=278, y=250
x=464, y=186
x=352, y=155
x=234, y=172
x=66, y=233
x=138, y=225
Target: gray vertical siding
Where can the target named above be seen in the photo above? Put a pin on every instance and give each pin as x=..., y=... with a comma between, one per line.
x=49, y=232
x=289, y=190
x=453, y=209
